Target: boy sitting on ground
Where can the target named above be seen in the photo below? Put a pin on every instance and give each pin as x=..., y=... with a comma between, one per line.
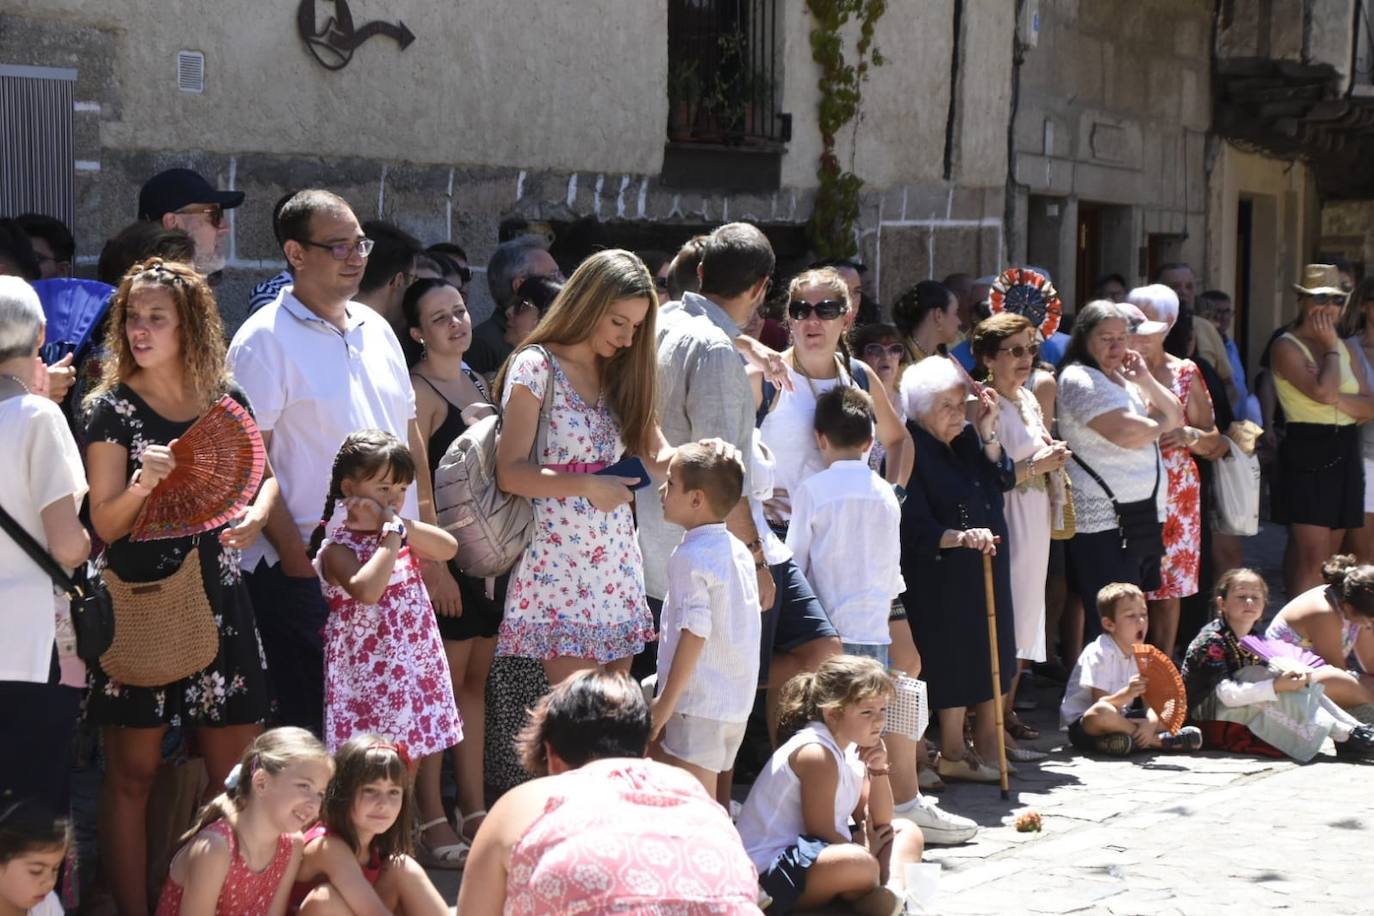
x=708, y=644
x=1102, y=709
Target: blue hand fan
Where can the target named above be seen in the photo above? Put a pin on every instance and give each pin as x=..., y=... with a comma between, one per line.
x=73, y=308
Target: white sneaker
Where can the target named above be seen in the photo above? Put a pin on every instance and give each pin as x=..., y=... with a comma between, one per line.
x=939, y=827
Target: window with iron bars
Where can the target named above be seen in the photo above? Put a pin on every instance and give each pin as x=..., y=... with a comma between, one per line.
x=723, y=77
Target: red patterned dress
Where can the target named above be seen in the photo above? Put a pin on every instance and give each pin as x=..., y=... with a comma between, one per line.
x=245, y=892
x=384, y=665
x=1178, y=573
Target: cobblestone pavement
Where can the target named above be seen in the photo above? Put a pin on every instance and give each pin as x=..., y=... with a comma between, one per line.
x=1164, y=834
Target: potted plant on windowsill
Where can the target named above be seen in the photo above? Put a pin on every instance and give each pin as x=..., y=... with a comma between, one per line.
x=684, y=99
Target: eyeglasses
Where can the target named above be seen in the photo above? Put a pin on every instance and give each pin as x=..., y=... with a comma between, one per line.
x=1019, y=351
x=214, y=213
x=341, y=250
x=878, y=351
x=1328, y=299
x=825, y=310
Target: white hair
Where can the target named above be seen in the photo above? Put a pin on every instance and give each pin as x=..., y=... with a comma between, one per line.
x=21, y=318
x=923, y=381
x=1157, y=301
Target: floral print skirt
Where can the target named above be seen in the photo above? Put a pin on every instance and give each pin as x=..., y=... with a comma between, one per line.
x=231, y=690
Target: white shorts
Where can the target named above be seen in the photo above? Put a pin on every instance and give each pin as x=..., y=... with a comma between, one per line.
x=706, y=743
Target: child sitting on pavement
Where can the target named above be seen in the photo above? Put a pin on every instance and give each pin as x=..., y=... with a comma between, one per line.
x=708, y=644
x=1101, y=707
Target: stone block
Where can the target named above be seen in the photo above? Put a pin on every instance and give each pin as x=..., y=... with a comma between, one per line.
x=1190, y=39
x=1109, y=185
x=1195, y=99
x=966, y=203
x=86, y=136
x=1164, y=91
x=906, y=259
x=1130, y=74
x=415, y=198
x=956, y=249
x=89, y=50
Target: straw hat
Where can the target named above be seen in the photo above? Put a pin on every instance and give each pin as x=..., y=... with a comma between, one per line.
x=1320, y=280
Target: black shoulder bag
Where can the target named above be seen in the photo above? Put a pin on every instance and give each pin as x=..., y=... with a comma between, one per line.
x=1142, y=534
x=92, y=611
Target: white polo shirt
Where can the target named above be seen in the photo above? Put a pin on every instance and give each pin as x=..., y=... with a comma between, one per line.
x=1102, y=665
x=310, y=385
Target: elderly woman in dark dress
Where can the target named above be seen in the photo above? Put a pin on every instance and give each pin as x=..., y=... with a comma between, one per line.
x=951, y=517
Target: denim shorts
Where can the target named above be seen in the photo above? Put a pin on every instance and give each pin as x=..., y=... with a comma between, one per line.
x=785, y=877
x=878, y=653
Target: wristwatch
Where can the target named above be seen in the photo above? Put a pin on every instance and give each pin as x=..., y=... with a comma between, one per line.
x=394, y=526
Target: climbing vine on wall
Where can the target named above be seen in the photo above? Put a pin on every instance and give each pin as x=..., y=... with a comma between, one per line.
x=831, y=229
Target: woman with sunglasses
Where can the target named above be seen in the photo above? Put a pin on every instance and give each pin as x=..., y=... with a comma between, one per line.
x=1318, y=491
x=817, y=361
x=1005, y=347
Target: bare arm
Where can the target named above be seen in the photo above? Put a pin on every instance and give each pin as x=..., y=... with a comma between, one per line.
x=483, y=890
x=115, y=499
x=1320, y=381
x=901, y=451
x=684, y=665
x=329, y=857
x=424, y=485
x=281, y=532
x=1126, y=429
x=68, y=542
x=364, y=582
x=820, y=780
x=430, y=542
x=207, y=865
x=1360, y=406
x=1325, y=632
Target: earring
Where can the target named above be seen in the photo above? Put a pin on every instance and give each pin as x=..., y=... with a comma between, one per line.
x=990, y=376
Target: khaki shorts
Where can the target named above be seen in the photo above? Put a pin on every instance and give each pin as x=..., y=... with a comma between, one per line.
x=706, y=743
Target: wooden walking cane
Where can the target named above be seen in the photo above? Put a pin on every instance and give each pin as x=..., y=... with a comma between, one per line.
x=991, y=600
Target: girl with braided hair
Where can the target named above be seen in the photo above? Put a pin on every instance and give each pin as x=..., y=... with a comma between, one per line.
x=384, y=666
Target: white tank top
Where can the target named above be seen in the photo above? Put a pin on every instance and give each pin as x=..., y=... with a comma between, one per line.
x=771, y=819
x=789, y=430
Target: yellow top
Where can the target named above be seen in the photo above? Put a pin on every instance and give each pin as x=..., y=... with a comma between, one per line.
x=1299, y=408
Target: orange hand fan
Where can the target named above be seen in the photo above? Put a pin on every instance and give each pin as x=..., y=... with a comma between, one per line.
x=1164, y=691
x=219, y=465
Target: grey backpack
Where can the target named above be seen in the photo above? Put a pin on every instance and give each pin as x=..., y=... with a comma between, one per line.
x=492, y=527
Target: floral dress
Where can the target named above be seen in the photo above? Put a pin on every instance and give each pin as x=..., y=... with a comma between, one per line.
x=578, y=589
x=232, y=689
x=385, y=670
x=1178, y=571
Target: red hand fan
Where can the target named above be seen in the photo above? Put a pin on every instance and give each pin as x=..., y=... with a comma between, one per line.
x=219, y=465
x=1164, y=690
x=1030, y=294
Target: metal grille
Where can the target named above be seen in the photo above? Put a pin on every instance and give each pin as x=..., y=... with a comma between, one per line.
x=37, y=173
x=723, y=75
x=191, y=71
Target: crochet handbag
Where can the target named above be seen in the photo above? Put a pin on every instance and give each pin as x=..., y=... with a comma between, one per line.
x=163, y=630
x=1063, y=521
x=909, y=713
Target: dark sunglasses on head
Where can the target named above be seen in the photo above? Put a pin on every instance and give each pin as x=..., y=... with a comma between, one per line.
x=878, y=351
x=826, y=309
x=213, y=212
x=1019, y=351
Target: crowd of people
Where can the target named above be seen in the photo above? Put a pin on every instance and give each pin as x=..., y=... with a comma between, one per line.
x=757, y=509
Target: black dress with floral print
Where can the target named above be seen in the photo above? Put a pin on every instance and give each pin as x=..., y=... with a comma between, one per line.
x=233, y=689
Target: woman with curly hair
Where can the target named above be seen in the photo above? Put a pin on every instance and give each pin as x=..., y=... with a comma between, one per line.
x=166, y=368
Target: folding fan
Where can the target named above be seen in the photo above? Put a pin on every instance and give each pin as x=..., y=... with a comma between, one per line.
x=1031, y=295
x=72, y=309
x=1272, y=650
x=1164, y=690
x=219, y=464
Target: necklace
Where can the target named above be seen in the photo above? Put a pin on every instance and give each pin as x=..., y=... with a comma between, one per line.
x=18, y=381
x=796, y=364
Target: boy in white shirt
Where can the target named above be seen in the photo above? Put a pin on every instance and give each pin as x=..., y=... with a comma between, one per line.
x=708, y=644
x=845, y=533
x=1100, y=708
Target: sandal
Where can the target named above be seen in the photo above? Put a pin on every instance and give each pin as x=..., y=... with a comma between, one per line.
x=449, y=857
x=1018, y=729
x=463, y=824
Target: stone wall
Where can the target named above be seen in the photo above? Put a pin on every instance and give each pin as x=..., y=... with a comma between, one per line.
x=1114, y=108
x=1348, y=232
x=496, y=110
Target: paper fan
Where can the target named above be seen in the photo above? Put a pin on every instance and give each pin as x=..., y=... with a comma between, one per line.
x=1273, y=649
x=219, y=465
x=1030, y=294
x=1164, y=691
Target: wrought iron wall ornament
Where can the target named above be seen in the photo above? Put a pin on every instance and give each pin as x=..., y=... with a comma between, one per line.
x=332, y=43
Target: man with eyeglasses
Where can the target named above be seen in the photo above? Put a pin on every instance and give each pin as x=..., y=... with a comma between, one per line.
x=316, y=365
x=183, y=199
x=511, y=264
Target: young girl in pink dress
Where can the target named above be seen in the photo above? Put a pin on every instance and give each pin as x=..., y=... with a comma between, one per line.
x=242, y=855
x=357, y=858
x=385, y=670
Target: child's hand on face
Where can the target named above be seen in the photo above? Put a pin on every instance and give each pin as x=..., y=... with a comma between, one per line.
x=366, y=514
x=874, y=757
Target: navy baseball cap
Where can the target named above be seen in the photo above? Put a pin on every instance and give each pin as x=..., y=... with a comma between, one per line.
x=173, y=189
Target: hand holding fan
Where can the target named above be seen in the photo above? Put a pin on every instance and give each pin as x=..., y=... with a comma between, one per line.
x=1282, y=655
x=219, y=465
x=1164, y=690
x=1031, y=295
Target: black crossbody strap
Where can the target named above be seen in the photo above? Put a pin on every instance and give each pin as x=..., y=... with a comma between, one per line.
x=38, y=554
x=1103, y=484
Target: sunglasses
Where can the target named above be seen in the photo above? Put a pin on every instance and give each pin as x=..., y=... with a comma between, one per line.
x=1019, y=351
x=214, y=213
x=1328, y=299
x=878, y=351
x=826, y=309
